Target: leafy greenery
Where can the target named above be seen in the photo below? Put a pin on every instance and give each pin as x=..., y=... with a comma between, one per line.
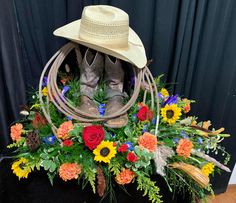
x=148, y=187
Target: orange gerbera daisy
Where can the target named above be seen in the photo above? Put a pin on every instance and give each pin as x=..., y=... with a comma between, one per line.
x=148, y=141
x=125, y=176
x=16, y=131
x=184, y=148
x=64, y=129
x=68, y=171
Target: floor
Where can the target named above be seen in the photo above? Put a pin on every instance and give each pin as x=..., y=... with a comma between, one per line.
x=228, y=197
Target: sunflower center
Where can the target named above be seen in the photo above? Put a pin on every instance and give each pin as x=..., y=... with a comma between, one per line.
x=169, y=113
x=22, y=166
x=104, y=151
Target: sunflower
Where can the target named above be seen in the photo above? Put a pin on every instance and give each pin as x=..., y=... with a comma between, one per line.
x=20, y=168
x=164, y=92
x=171, y=113
x=105, y=151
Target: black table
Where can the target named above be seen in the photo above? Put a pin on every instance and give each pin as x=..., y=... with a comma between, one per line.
x=37, y=189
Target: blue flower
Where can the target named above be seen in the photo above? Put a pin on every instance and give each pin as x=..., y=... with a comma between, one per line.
x=173, y=99
x=65, y=90
x=49, y=140
x=154, y=120
x=145, y=128
x=176, y=140
x=199, y=140
x=130, y=146
x=112, y=135
x=184, y=134
x=69, y=118
x=45, y=81
x=101, y=109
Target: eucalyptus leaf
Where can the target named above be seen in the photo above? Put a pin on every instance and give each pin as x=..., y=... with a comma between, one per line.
x=53, y=167
x=46, y=164
x=44, y=156
x=128, y=131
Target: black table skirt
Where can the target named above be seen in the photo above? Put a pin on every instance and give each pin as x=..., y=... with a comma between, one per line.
x=37, y=189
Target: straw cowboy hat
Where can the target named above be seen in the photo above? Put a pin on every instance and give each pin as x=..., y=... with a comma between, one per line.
x=106, y=29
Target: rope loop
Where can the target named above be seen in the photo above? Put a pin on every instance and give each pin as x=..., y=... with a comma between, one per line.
x=63, y=105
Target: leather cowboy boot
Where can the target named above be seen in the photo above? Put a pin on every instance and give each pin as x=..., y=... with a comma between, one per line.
x=114, y=78
x=90, y=71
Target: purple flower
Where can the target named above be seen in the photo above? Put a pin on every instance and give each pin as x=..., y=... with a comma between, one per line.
x=65, y=90
x=45, y=81
x=130, y=146
x=101, y=109
x=160, y=95
x=173, y=99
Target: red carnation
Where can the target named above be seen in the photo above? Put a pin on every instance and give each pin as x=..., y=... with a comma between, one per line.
x=68, y=143
x=145, y=114
x=131, y=157
x=93, y=135
x=38, y=121
x=123, y=148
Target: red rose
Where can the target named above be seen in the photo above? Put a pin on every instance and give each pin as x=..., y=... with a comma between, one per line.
x=131, y=157
x=68, y=143
x=38, y=121
x=92, y=136
x=144, y=114
x=123, y=148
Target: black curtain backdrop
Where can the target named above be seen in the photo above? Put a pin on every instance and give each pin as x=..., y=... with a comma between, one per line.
x=191, y=41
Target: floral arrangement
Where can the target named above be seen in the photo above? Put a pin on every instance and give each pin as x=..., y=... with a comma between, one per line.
x=99, y=155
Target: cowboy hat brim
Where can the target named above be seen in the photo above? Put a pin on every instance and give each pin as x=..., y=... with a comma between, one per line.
x=134, y=53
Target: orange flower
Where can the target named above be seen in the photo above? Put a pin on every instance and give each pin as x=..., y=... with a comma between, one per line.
x=148, y=141
x=16, y=131
x=187, y=106
x=184, y=148
x=125, y=176
x=64, y=129
x=68, y=171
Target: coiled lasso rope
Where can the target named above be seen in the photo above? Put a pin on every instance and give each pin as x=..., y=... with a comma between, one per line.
x=142, y=76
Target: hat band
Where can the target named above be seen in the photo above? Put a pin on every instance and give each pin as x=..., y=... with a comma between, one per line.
x=113, y=35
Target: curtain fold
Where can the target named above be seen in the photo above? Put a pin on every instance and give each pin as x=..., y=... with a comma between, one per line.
x=192, y=42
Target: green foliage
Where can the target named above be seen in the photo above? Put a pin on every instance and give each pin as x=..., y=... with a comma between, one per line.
x=90, y=176
x=73, y=95
x=180, y=182
x=18, y=144
x=114, y=167
x=100, y=94
x=148, y=187
x=144, y=159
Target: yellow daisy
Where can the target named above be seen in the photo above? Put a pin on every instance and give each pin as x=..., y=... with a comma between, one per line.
x=105, y=151
x=208, y=168
x=20, y=168
x=171, y=113
x=164, y=92
x=45, y=91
